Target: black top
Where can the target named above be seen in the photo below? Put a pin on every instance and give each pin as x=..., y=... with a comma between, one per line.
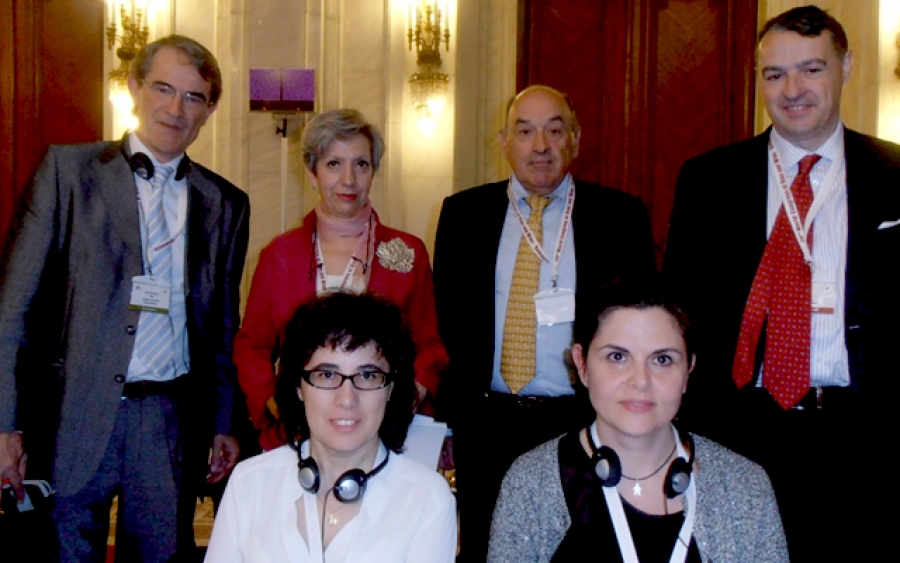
x=592, y=528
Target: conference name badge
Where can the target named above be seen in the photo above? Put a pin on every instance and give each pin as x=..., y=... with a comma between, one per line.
x=150, y=294
x=555, y=306
x=824, y=297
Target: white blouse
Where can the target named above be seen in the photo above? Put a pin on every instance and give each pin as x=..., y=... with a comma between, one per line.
x=408, y=515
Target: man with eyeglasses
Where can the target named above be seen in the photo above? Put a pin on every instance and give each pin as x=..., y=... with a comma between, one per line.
x=118, y=304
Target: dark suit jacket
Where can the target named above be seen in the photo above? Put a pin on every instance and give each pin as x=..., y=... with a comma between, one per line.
x=64, y=294
x=611, y=231
x=716, y=239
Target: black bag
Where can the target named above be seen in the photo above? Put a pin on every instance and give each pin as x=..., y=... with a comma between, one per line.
x=29, y=525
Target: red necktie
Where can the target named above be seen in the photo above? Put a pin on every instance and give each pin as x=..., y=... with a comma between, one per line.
x=781, y=290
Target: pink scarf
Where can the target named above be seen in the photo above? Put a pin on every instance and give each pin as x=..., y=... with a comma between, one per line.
x=363, y=223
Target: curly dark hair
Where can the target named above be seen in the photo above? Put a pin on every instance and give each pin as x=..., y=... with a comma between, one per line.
x=349, y=322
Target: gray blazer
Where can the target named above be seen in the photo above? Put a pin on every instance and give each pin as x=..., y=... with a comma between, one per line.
x=66, y=332
x=737, y=516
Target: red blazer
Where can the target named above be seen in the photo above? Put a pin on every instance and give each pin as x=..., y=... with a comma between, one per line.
x=285, y=278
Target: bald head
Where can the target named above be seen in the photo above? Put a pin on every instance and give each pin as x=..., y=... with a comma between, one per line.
x=540, y=138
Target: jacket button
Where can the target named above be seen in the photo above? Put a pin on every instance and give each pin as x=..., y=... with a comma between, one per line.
x=130, y=330
x=120, y=378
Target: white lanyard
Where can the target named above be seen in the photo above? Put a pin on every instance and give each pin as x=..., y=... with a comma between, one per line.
x=560, y=239
x=348, y=271
x=620, y=524
x=801, y=230
x=320, y=270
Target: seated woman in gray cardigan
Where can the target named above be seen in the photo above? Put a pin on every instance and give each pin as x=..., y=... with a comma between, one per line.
x=630, y=487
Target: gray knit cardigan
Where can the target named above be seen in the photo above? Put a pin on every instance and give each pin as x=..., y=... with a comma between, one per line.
x=737, y=516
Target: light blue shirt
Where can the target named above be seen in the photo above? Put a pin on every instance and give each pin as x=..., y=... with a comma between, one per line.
x=175, y=200
x=554, y=376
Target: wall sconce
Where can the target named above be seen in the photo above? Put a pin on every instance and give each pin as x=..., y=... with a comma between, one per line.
x=289, y=94
x=897, y=68
x=428, y=25
x=132, y=39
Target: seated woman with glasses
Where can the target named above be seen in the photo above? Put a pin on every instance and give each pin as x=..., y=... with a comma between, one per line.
x=631, y=487
x=346, y=493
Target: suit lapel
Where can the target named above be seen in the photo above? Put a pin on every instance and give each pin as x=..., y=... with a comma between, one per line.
x=202, y=236
x=483, y=234
x=743, y=207
x=495, y=208
x=866, y=208
x=866, y=203
x=114, y=181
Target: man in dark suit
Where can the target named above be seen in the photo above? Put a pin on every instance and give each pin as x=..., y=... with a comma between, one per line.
x=120, y=295
x=503, y=398
x=729, y=207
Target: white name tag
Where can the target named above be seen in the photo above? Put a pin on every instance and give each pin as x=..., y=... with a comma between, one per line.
x=824, y=297
x=555, y=306
x=150, y=294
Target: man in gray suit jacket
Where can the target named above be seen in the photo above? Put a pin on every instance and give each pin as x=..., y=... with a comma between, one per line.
x=117, y=309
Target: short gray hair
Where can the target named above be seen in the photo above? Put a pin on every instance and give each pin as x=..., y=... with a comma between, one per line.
x=343, y=125
x=200, y=57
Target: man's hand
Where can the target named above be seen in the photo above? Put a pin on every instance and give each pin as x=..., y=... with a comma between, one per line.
x=13, y=461
x=225, y=451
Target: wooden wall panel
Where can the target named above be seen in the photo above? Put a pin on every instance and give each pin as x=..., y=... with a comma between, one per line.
x=703, y=89
x=51, y=87
x=654, y=82
x=7, y=108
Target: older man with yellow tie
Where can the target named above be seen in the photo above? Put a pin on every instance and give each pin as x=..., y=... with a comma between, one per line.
x=510, y=385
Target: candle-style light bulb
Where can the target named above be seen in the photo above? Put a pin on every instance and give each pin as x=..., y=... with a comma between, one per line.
x=446, y=14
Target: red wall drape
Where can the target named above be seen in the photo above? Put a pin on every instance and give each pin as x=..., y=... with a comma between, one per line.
x=51, y=88
x=653, y=82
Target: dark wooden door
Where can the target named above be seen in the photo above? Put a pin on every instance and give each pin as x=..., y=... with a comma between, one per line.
x=51, y=87
x=653, y=82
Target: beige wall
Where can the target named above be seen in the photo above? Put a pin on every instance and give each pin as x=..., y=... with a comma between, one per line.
x=359, y=51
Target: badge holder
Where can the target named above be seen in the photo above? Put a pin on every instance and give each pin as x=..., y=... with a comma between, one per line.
x=555, y=306
x=150, y=294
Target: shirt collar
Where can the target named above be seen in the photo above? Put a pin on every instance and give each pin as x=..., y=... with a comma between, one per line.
x=791, y=154
x=135, y=146
x=562, y=190
x=379, y=455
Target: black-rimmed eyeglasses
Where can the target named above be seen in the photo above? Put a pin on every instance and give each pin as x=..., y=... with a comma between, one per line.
x=364, y=380
x=164, y=91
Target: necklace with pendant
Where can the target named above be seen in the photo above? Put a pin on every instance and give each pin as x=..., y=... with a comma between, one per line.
x=332, y=518
x=636, y=490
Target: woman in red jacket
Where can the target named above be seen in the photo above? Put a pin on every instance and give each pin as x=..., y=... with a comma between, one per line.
x=341, y=246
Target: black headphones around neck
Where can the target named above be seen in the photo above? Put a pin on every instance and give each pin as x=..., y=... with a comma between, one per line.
x=142, y=165
x=349, y=487
x=608, y=467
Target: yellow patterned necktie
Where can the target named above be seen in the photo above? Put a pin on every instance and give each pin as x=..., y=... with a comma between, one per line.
x=517, y=358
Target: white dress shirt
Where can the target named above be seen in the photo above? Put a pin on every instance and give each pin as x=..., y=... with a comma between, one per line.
x=408, y=515
x=175, y=201
x=829, y=365
x=553, y=377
